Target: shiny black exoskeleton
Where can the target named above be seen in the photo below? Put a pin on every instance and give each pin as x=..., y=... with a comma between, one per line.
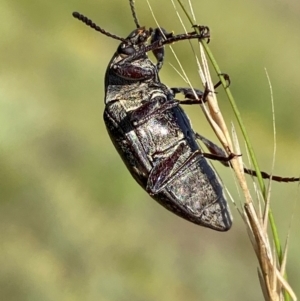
x=152, y=133
x=155, y=139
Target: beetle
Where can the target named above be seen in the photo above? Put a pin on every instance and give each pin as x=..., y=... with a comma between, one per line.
x=152, y=133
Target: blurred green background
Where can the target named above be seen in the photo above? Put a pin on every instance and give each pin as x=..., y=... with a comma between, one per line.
x=73, y=223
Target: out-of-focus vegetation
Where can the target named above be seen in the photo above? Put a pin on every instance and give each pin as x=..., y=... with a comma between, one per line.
x=73, y=224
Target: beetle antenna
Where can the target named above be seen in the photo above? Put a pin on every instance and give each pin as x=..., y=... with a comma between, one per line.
x=90, y=23
x=136, y=21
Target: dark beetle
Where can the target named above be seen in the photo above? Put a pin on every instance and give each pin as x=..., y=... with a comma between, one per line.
x=155, y=139
x=152, y=133
x=154, y=136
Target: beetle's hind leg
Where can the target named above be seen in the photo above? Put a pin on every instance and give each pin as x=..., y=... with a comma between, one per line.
x=217, y=151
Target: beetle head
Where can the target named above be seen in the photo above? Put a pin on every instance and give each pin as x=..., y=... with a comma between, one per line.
x=134, y=42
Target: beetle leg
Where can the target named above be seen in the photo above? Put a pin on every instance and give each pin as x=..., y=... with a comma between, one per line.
x=151, y=109
x=190, y=96
x=216, y=150
x=223, y=159
x=159, y=53
x=196, y=96
x=226, y=77
x=204, y=33
x=170, y=38
x=193, y=96
x=213, y=149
